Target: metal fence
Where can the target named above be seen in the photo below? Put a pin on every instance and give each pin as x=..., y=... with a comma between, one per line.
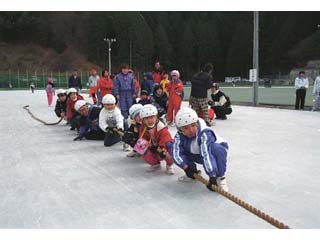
x=15, y=79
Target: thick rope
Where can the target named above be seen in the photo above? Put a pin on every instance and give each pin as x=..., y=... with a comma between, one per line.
x=38, y=119
x=243, y=204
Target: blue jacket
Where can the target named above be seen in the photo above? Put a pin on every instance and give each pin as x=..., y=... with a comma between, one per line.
x=91, y=122
x=204, y=148
x=124, y=83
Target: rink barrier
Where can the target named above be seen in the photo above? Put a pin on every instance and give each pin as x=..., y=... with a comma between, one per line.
x=38, y=119
x=243, y=204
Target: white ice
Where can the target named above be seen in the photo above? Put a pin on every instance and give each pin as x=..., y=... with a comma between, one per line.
x=49, y=181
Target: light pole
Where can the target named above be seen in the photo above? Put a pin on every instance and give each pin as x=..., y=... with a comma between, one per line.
x=109, y=41
x=256, y=56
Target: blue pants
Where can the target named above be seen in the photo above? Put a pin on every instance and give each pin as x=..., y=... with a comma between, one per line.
x=125, y=103
x=218, y=160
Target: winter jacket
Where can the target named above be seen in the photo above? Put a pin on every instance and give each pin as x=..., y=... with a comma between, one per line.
x=70, y=106
x=90, y=122
x=301, y=83
x=93, y=81
x=201, y=82
x=220, y=99
x=112, y=119
x=50, y=88
x=105, y=86
x=164, y=83
x=148, y=84
x=131, y=135
x=161, y=136
x=160, y=102
x=157, y=76
x=145, y=101
x=176, y=90
x=204, y=148
x=124, y=83
x=316, y=86
x=74, y=82
x=61, y=107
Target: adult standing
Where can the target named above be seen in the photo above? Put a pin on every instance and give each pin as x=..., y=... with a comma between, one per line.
x=301, y=83
x=316, y=93
x=75, y=81
x=157, y=73
x=200, y=84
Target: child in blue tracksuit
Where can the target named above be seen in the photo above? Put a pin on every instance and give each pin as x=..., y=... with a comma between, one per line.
x=197, y=143
x=125, y=91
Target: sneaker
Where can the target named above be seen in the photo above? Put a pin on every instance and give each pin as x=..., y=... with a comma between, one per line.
x=126, y=147
x=222, y=183
x=153, y=168
x=132, y=153
x=170, y=170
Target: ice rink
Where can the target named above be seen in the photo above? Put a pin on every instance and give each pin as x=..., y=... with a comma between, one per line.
x=49, y=181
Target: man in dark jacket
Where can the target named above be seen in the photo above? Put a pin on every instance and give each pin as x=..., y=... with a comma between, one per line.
x=75, y=81
x=200, y=84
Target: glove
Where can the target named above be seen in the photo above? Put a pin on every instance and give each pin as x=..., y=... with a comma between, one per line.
x=154, y=148
x=162, y=154
x=190, y=171
x=120, y=130
x=212, y=181
x=211, y=103
x=109, y=130
x=78, y=138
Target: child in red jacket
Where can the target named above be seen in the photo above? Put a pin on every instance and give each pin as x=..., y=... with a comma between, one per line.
x=158, y=137
x=73, y=116
x=175, y=89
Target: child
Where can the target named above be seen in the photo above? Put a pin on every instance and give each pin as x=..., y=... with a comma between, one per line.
x=160, y=100
x=156, y=133
x=144, y=98
x=50, y=91
x=111, y=121
x=132, y=133
x=165, y=80
x=175, y=89
x=89, y=121
x=61, y=104
x=197, y=143
x=220, y=103
x=73, y=116
x=92, y=84
x=125, y=91
x=32, y=87
x=105, y=85
x=147, y=83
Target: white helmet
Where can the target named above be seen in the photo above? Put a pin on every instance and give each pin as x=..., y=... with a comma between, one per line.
x=134, y=110
x=185, y=117
x=108, y=99
x=79, y=104
x=72, y=90
x=148, y=110
x=61, y=91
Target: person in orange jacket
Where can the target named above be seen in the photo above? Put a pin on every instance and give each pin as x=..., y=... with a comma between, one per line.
x=105, y=85
x=176, y=92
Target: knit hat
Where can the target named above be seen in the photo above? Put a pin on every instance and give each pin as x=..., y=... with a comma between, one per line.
x=175, y=72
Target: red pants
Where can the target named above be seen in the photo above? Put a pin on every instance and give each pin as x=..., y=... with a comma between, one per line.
x=173, y=106
x=92, y=93
x=153, y=159
x=50, y=98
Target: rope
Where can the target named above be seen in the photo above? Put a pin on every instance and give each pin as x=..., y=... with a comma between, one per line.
x=38, y=119
x=243, y=204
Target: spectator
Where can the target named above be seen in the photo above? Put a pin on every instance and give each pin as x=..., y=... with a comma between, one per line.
x=50, y=91
x=200, y=84
x=105, y=85
x=75, y=81
x=301, y=83
x=316, y=93
x=157, y=73
x=220, y=103
x=92, y=84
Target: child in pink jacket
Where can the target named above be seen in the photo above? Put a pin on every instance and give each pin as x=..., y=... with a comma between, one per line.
x=50, y=91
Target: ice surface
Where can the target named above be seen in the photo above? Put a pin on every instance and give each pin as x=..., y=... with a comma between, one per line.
x=49, y=181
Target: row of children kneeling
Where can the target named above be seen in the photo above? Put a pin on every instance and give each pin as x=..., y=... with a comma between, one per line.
x=149, y=137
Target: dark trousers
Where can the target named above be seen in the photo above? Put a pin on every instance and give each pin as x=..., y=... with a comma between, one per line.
x=94, y=135
x=300, y=97
x=221, y=112
x=111, y=139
